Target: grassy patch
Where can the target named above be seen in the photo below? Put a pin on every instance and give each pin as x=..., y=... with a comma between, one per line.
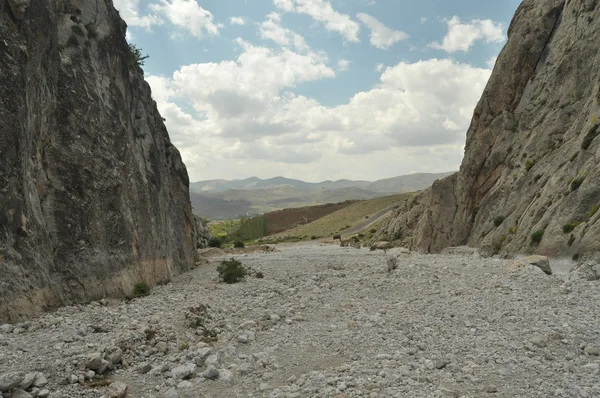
x=536, y=237
x=574, y=156
x=141, y=289
x=529, y=164
x=570, y=226
x=593, y=211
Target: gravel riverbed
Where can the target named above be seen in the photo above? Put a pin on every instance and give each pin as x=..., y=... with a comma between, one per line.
x=325, y=321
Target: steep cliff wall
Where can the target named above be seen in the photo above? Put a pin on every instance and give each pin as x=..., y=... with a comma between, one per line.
x=531, y=156
x=93, y=196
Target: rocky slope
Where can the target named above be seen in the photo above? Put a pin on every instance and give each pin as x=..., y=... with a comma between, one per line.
x=325, y=321
x=93, y=196
x=530, y=178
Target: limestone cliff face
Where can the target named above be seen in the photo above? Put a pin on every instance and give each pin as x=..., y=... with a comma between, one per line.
x=532, y=154
x=93, y=195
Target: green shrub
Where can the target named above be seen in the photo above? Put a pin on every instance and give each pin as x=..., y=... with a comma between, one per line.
x=238, y=244
x=214, y=242
x=529, y=164
x=499, y=220
x=575, y=257
x=137, y=55
x=574, y=156
x=589, y=137
x=576, y=183
x=355, y=239
x=313, y=237
x=593, y=211
x=373, y=230
x=231, y=271
x=184, y=346
x=536, y=237
x=360, y=236
x=260, y=275
x=141, y=289
x=512, y=230
x=570, y=226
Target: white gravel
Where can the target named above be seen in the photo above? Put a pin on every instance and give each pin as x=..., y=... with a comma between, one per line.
x=326, y=321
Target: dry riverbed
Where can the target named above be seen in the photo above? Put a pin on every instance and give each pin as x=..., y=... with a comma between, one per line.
x=325, y=321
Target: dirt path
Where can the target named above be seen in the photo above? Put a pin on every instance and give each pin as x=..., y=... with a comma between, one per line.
x=328, y=321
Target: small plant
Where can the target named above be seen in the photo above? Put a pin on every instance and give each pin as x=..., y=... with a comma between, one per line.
x=570, y=226
x=574, y=156
x=571, y=240
x=138, y=57
x=184, y=346
x=259, y=275
x=238, y=244
x=392, y=263
x=141, y=289
x=536, y=237
x=575, y=257
x=313, y=237
x=355, y=239
x=360, y=236
x=576, y=183
x=214, y=242
x=589, y=137
x=373, y=230
x=529, y=164
x=593, y=211
x=512, y=230
x=231, y=271
x=499, y=220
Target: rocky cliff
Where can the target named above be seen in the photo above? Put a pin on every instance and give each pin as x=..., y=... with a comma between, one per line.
x=93, y=196
x=530, y=178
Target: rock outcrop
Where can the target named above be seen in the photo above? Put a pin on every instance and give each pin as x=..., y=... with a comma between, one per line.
x=93, y=196
x=530, y=178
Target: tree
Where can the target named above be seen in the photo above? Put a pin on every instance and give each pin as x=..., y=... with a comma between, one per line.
x=137, y=54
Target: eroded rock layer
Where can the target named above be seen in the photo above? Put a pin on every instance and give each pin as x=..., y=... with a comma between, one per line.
x=93, y=195
x=530, y=178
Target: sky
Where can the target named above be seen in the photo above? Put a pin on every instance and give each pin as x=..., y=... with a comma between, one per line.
x=317, y=89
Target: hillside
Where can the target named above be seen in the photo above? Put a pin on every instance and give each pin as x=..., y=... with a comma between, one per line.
x=283, y=220
x=530, y=178
x=221, y=199
x=345, y=218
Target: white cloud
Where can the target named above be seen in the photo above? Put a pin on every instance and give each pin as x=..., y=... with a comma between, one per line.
x=462, y=36
x=322, y=11
x=424, y=19
x=491, y=62
x=246, y=121
x=382, y=37
x=343, y=65
x=129, y=11
x=188, y=15
x=237, y=21
x=379, y=67
x=271, y=29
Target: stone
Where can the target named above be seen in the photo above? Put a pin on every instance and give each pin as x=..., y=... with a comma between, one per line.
x=161, y=347
x=243, y=338
x=115, y=356
x=212, y=359
x=171, y=393
x=226, y=376
x=541, y=262
x=491, y=389
x=144, y=368
x=95, y=361
x=440, y=364
x=18, y=7
x=211, y=372
x=594, y=351
x=6, y=328
x=43, y=394
x=18, y=393
x=184, y=385
x=183, y=371
x=40, y=380
x=10, y=380
x=117, y=389
x=27, y=381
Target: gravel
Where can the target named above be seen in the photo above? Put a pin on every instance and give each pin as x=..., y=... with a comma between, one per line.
x=325, y=321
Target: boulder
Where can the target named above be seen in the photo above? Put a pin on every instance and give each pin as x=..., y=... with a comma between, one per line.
x=541, y=262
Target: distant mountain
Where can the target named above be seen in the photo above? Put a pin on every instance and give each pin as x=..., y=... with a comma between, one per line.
x=389, y=185
x=223, y=199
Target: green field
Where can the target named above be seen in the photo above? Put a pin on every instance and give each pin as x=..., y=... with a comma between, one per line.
x=343, y=219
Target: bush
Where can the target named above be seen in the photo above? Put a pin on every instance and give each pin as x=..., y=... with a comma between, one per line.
x=313, y=237
x=574, y=156
x=355, y=239
x=536, y=237
x=360, y=236
x=141, y=289
x=260, y=275
x=570, y=226
x=512, y=230
x=499, y=220
x=238, y=244
x=593, y=211
x=373, y=230
x=214, y=242
x=529, y=164
x=576, y=183
x=138, y=57
x=231, y=271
